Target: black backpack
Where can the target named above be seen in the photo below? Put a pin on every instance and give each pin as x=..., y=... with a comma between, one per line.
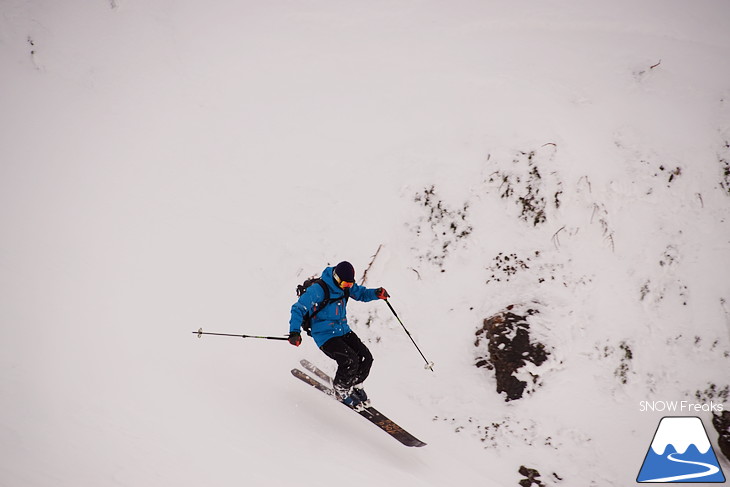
x=302, y=288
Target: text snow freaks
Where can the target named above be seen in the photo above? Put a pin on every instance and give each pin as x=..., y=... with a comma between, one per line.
x=679, y=407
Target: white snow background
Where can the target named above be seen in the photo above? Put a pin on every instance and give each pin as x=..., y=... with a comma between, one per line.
x=170, y=164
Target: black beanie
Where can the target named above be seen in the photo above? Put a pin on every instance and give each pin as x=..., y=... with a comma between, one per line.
x=345, y=271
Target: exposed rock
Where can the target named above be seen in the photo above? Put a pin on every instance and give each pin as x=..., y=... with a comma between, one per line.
x=721, y=422
x=531, y=477
x=509, y=348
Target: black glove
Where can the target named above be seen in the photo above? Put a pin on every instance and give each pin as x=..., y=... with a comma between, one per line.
x=381, y=293
x=295, y=338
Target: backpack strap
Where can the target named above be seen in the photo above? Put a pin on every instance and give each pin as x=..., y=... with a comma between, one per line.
x=327, y=301
x=307, y=323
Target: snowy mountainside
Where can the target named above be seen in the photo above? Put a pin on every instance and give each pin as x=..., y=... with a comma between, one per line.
x=174, y=165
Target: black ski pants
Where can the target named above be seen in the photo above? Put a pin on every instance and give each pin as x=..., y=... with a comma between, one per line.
x=353, y=359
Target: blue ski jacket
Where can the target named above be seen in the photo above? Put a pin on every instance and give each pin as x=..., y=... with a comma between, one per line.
x=331, y=321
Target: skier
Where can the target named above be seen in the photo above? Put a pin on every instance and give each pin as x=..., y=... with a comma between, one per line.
x=330, y=330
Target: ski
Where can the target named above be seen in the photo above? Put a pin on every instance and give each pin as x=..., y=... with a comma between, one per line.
x=304, y=377
x=317, y=371
x=369, y=413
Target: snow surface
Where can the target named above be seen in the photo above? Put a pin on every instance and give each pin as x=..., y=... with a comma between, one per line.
x=170, y=164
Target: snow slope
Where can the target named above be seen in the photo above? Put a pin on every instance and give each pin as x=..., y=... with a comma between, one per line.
x=168, y=165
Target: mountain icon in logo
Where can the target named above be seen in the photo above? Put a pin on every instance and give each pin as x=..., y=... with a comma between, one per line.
x=680, y=452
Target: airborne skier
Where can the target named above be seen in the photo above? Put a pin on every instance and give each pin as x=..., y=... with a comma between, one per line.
x=323, y=307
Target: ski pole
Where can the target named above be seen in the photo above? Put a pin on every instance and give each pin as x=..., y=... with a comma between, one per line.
x=200, y=333
x=429, y=365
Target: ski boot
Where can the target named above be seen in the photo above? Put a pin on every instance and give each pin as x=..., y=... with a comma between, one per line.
x=359, y=393
x=347, y=396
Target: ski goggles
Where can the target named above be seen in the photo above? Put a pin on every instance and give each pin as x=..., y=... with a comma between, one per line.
x=341, y=283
